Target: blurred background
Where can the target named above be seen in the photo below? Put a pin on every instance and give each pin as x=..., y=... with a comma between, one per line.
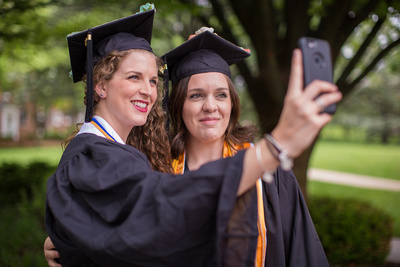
x=40, y=105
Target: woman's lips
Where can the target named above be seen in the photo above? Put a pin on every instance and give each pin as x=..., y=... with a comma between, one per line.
x=140, y=105
x=209, y=120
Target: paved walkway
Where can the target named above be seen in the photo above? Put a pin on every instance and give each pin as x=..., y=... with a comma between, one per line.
x=394, y=254
x=353, y=179
x=366, y=182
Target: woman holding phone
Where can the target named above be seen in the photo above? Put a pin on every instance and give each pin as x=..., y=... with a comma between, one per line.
x=204, y=109
x=106, y=206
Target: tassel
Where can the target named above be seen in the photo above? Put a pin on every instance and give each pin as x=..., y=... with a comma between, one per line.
x=165, y=98
x=89, y=77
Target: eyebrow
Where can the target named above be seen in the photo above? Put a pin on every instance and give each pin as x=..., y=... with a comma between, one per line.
x=139, y=73
x=135, y=71
x=201, y=89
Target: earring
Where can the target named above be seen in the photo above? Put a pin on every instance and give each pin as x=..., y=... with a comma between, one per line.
x=101, y=95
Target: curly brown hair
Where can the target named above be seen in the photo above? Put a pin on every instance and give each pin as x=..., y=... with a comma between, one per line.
x=234, y=134
x=151, y=138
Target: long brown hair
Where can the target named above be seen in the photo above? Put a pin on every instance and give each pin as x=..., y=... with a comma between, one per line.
x=151, y=138
x=234, y=134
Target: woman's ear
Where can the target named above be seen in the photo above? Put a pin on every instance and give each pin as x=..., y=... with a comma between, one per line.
x=99, y=89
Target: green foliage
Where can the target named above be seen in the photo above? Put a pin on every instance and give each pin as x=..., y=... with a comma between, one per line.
x=374, y=107
x=359, y=129
x=12, y=176
x=18, y=181
x=22, y=234
x=351, y=232
x=146, y=7
x=22, y=230
x=388, y=201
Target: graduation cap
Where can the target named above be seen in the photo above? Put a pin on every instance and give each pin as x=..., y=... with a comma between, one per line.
x=205, y=52
x=88, y=47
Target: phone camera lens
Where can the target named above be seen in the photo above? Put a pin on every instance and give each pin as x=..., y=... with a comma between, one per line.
x=319, y=60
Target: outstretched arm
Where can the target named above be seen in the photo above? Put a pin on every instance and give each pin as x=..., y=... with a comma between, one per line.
x=298, y=126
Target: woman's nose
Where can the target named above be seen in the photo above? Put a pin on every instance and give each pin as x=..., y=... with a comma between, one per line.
x=146, y=90
x=210, y=105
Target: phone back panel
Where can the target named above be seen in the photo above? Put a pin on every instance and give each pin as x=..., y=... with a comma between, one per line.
x=317, y=63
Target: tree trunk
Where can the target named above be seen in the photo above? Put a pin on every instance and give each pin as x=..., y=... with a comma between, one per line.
x=300, y=169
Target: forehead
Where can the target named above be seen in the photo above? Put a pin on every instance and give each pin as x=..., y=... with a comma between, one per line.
x=140, y=60
x=210, y=80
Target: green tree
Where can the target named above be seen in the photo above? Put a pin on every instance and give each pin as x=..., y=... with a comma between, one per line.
x=272, y=28
x=374, y=107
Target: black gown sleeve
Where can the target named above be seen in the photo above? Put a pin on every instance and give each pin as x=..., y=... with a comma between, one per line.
x=291, y=236
x=107, y=207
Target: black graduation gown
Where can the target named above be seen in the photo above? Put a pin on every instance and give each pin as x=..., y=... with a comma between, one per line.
x=291, y=236
x=105, y=206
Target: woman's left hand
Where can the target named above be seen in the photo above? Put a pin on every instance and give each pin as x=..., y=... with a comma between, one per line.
x=50, y=253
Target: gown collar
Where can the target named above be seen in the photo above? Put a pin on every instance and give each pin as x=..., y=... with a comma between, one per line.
x=89, y=127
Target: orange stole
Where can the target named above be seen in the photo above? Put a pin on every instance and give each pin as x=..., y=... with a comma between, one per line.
x=178, y=166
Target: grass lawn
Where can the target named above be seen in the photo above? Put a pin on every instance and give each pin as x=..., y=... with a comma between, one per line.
x=388, y=201
x=25, y=155
x=368, y=159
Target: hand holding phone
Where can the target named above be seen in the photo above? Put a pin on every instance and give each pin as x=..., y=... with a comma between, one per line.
x=317, y=63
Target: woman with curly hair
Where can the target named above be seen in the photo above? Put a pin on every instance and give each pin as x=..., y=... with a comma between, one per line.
x=150, y=138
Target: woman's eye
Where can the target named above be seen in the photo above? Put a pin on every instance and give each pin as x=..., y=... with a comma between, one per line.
x=195, y=96
x=222, y=95
x=135, y=77
x=155, y=82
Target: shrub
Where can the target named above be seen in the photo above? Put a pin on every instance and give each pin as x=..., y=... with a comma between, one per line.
x=11, y=175
x=351, y=232
x=22, y=231
x=17, y=180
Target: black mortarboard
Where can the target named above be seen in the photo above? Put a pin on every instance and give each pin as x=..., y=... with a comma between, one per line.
x=205, y=52
x=88, y=47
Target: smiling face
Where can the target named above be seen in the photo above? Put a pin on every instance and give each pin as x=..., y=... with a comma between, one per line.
x=207, y=108
x=129, y=95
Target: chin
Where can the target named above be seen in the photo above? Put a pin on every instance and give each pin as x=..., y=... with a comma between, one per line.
x=136, y=123
x=140, y=123
x=139, y=120
x=211, y=138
